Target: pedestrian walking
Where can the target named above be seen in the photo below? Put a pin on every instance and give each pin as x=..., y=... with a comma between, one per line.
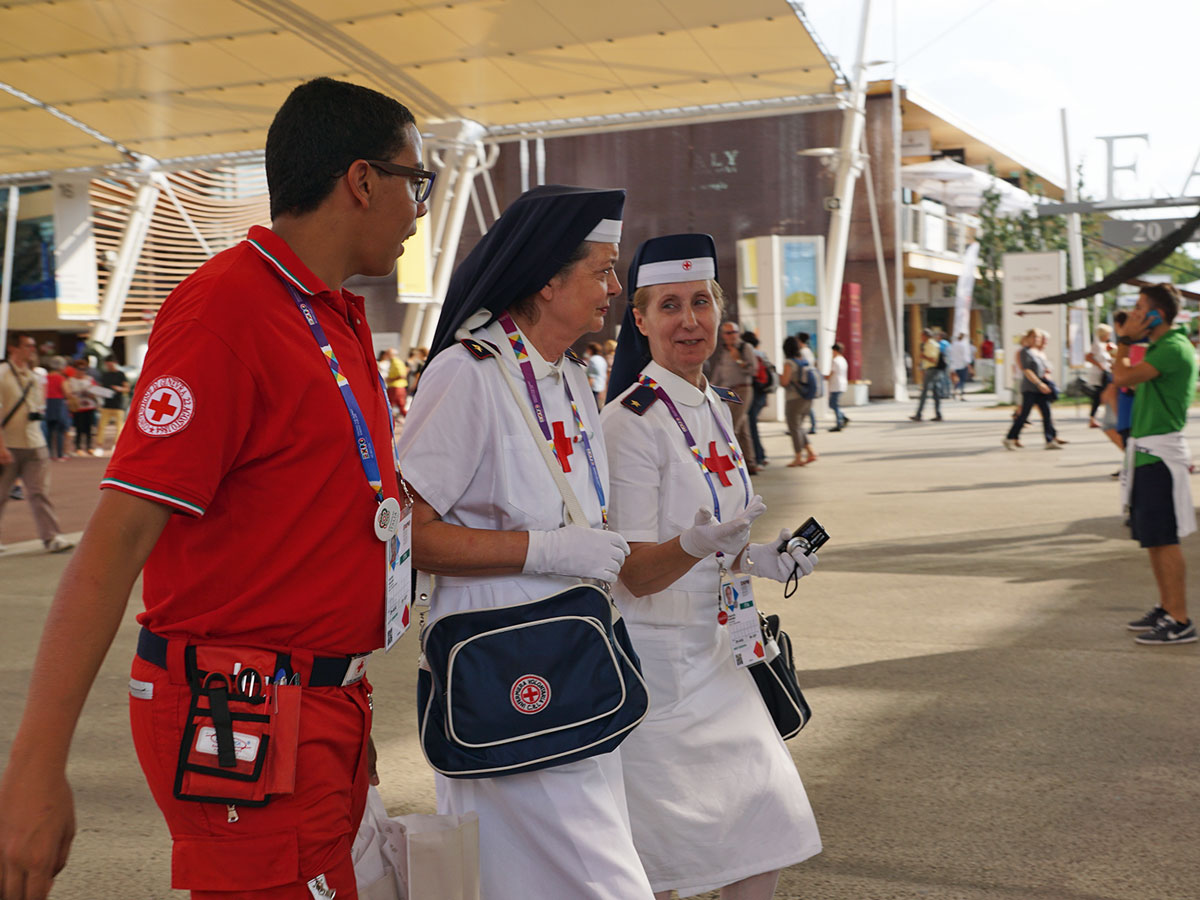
x=23, y=452
x=838, y=383
x=1099, y=372
x=766, y=380
x=1037, y=389
x=732, y=366
x=932, y=366
x=707, y=761
x=488, y=517
x=257, y=514
x=800, y=380
x=112, y=408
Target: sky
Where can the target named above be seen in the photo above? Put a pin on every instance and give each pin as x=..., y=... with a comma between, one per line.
x=1007, y=67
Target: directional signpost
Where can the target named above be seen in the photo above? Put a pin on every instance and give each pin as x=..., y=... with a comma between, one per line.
x=1028, y=276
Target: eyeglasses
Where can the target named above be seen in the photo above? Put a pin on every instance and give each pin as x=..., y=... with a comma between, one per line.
x=421, y=179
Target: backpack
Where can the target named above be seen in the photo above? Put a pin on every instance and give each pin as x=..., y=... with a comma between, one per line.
x=806, y=380
x=766, y=379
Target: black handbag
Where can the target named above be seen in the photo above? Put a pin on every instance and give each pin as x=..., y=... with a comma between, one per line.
x=776, y=681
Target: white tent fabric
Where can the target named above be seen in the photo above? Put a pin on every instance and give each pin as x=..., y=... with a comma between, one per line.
x=961, y=188
x=93, y=83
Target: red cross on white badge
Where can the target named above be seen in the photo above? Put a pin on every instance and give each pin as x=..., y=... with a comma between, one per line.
x=163, y=406
x=562, y=445
x=687, y=265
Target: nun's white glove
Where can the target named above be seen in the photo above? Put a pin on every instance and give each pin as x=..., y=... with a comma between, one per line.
x=767, y=562
x=578, y=551
x=709, y=536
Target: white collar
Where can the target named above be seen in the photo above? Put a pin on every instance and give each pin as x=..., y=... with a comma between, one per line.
x=541, y=368
x=678, y=389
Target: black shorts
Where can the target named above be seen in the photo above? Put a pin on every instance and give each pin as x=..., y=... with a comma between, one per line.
x=1151, y=508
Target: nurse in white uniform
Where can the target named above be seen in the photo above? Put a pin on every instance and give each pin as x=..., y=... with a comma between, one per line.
x=488, y=520
x=714, y=797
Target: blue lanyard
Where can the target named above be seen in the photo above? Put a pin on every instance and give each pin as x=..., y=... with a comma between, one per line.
x=691, y=442
x=362, y=436
x=517, y=342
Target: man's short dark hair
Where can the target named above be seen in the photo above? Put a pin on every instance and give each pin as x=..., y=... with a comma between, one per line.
x=323, y=126
x=791, y=347
x=1164, y=298
x=837, y=346
x=16, y=337
x=803, y=337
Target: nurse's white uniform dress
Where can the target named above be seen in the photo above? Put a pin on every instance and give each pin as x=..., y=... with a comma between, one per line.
x=560, y=833
x=714, y=796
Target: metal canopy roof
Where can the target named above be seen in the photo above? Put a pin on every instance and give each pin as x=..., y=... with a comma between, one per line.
x=179, y=79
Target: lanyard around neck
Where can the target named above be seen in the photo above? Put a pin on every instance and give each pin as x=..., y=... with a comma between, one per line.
x=362, y=435
x=691, y=442
x=517, y=342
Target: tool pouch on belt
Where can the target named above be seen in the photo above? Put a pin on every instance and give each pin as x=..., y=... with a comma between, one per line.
x=237, y=748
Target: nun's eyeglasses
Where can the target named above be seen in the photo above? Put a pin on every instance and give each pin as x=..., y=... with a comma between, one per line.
x=422, y=179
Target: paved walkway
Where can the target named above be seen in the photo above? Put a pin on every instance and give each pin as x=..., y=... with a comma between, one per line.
x=983, y=726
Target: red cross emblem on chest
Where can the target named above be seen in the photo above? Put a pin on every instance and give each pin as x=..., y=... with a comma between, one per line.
x=718, y=464
x=562, y=446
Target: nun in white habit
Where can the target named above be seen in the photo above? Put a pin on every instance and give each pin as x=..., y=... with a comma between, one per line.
x=489, y=521
x=714, y=797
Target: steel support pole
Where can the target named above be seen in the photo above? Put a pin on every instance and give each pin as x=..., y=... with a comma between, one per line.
x=462, y=163
x=901, y=381
x=881, y=264
x=849, y=165
x=10, y=244
x=1074, y=223
x=141, y=211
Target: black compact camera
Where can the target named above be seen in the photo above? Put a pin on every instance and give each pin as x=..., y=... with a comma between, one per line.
x=36, y=415
x=809, y=537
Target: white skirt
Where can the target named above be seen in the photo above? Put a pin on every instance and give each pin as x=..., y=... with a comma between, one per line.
x=714, y=796
x=554, y=834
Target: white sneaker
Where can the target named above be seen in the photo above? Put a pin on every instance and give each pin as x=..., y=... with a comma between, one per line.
x=58, y=545
x=1053, y=445
x=1009, y=444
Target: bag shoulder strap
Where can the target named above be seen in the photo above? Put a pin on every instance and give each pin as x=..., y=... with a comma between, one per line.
x=575, y=512
x=25, y=393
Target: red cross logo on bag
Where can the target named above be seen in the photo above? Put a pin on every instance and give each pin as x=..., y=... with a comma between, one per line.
x=530, y=694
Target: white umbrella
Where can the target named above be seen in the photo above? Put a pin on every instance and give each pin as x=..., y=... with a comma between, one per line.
x=962, y=188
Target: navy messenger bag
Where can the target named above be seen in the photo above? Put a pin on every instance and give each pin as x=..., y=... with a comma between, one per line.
x=518, y=688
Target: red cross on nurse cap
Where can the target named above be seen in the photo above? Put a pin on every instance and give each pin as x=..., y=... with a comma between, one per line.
x=671, y=258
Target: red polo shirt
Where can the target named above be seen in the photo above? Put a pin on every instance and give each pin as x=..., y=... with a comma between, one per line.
x=237, y=424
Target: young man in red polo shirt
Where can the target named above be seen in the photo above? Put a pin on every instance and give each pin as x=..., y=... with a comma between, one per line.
x=252, y=502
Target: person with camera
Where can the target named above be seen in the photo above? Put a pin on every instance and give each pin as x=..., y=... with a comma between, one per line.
x=707, y=762
x=1156, y=480
x=23, y=451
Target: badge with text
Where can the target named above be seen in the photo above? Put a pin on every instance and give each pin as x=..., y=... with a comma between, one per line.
x=739, y=615
x=166, y=407
x=397, y=612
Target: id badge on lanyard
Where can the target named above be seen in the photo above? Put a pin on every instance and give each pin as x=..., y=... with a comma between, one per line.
x=739, y=615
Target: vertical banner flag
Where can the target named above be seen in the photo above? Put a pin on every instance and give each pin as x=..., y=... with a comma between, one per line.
x=963, y=292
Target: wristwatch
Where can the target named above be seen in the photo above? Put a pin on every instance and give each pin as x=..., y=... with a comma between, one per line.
x=1126, y=340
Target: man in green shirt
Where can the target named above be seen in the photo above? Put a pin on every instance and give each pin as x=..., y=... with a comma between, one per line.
x=1157, y=483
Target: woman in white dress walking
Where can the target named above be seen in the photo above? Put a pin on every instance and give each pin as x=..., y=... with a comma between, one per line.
x=714, y=797
x=488, y=518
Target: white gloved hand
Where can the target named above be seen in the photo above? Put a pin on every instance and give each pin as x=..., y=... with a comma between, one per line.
x=709, y=536
x=767, y=562
x=578, y=551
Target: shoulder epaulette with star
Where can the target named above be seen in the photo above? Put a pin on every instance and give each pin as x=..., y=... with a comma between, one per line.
x=726, y=394
x=574, y=357
x=640, y=399
x=476, y=349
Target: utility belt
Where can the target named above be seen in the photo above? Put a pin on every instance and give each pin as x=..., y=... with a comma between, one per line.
x=242, y=730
